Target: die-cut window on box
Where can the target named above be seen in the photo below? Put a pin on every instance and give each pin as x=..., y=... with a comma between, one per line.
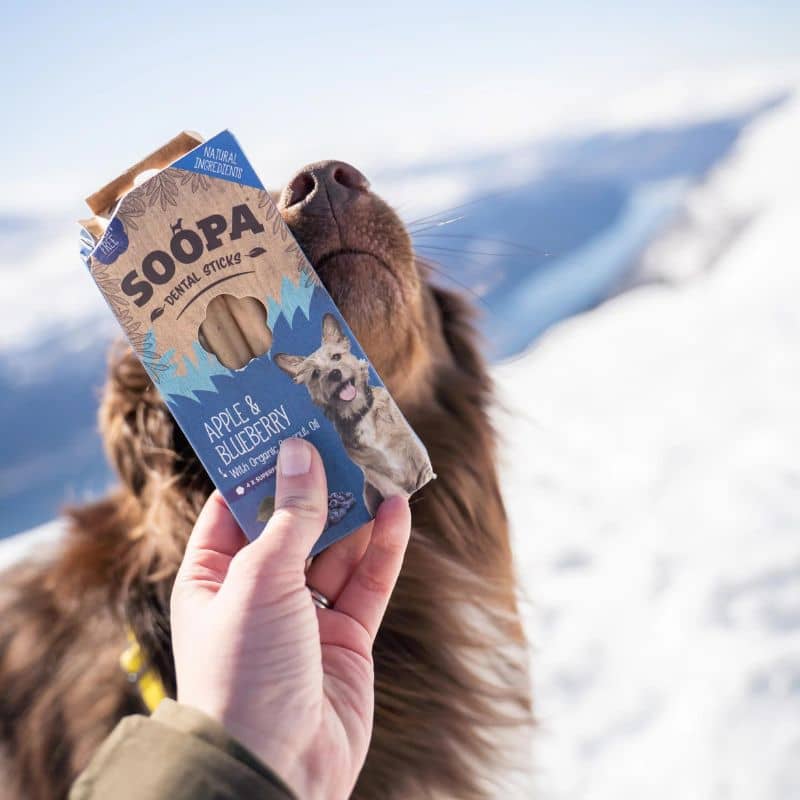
x=235, y=330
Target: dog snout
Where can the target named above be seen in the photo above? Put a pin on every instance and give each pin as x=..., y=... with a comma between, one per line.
x=333, y=182
x=335, y=376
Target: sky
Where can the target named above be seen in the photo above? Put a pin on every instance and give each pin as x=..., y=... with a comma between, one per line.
x=92, y=88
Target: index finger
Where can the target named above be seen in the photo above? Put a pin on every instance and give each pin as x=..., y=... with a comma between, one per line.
x=214, y=541
x=366, y=594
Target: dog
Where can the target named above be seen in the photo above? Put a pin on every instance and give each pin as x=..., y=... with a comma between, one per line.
x=366, y=418
x=453, y=712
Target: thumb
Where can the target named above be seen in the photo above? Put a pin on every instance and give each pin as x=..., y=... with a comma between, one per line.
x=301, y=508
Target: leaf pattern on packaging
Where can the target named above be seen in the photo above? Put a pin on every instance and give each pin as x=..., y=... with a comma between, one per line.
x=198, y=182
x=134, y=207
x=271, y=214
x=279, y=229
x=301, y=263
x=162, y=189
x=138, y=338
x=265, y=201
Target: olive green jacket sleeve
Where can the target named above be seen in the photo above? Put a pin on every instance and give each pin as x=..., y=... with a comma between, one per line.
x=177, y=753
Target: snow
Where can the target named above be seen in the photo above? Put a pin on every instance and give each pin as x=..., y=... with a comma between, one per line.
x=50, y=256
x=652, y=478
x=650, y=473
x=584, y=278
x=36, y=543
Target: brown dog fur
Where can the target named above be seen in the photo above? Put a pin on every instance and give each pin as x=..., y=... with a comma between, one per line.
x=450, y=659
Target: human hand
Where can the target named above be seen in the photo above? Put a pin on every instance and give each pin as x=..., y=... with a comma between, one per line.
x=292, y=682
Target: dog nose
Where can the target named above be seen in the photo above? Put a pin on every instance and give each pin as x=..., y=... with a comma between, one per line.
x=333, y=181
x=335, y=376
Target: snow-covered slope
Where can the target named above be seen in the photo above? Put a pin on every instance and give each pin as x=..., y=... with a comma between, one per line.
x=38, y=542
x=653, y=479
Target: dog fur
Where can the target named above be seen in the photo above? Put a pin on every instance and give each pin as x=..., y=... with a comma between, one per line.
x=451, y=657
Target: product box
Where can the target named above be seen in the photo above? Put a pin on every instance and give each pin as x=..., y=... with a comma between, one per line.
x=240, y=337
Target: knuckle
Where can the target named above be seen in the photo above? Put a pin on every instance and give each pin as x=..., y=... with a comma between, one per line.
x=348, y=554
x=389, y=546
x=298, y=506
x=372, y=582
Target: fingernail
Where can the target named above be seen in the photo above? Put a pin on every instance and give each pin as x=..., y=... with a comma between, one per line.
x=294, y=458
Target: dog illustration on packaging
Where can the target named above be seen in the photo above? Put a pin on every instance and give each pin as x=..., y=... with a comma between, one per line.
x=372, y=429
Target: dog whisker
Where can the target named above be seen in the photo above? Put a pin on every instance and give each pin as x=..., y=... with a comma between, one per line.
x=441, y=249
x=434, y=225
x=471, y=237
x=439, y=270
x=478, y=261
x=484, y=197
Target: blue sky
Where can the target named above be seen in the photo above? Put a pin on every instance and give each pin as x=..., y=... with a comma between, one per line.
x=91, y=88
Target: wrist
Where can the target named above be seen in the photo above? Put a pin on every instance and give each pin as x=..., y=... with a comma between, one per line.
x=195, y=722
x=280, y=754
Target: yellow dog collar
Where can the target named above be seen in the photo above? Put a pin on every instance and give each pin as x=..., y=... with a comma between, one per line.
x=149, y=684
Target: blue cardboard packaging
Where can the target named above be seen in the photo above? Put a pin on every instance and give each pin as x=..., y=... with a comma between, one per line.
x=242, y=340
